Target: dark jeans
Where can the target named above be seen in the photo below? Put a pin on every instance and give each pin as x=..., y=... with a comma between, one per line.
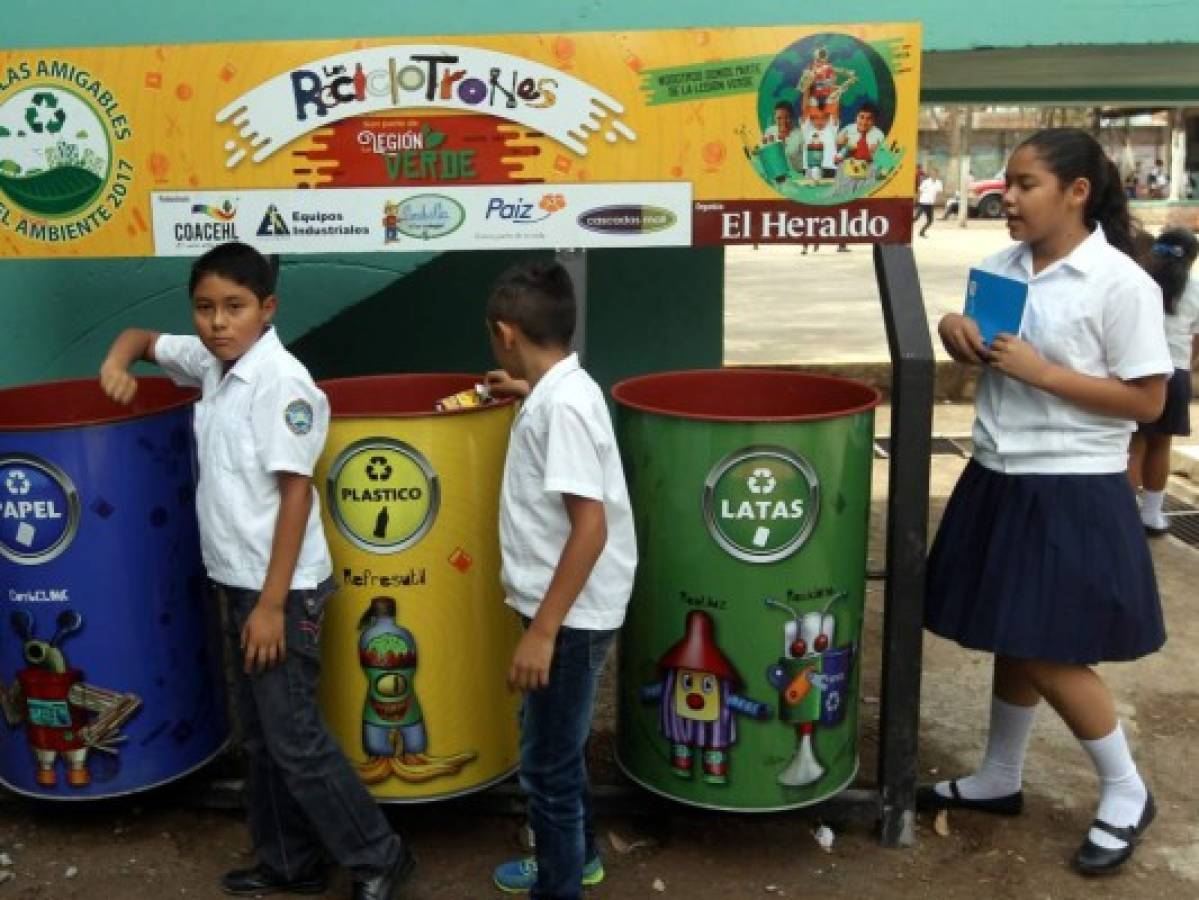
x=926, y=210
x=302, y=793
x=553, y=766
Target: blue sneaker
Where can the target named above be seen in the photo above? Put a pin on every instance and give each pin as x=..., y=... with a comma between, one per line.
x=519, y=875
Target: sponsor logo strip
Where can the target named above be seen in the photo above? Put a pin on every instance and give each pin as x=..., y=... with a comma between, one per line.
x=474, y=217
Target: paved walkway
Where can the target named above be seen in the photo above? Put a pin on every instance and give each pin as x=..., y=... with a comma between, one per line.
x=784, y=307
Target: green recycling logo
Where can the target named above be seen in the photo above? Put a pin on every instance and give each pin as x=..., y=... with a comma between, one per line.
x=761, y=503
x=55, y=155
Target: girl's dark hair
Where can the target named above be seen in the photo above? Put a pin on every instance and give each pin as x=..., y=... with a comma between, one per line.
x=241, y=264
x=540, y=298
x=1072, y=153
x=1169, y=263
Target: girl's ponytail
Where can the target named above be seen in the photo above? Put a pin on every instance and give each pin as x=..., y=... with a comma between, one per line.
x=1108, y=206
x=1169, y=263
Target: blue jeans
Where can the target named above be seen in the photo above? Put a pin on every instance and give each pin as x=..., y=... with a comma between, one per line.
x=553, y=766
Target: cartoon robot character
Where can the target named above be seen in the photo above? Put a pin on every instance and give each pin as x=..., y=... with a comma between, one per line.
x=391, y=220
x=696, y=700
x=64, y=715
x=812, y=678
x=393, y=724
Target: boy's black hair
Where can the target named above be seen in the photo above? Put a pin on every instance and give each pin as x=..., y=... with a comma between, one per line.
x=869, y=107
x=783, y=104
x=538, y=298
x=241, y=264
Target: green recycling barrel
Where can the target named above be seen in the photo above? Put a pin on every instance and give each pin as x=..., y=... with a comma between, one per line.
x=741, y=653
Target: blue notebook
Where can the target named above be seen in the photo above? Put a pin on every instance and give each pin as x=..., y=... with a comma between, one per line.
x=995, y=303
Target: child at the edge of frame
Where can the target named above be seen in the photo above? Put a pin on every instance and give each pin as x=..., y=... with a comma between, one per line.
x=1040, y=558
x=1169, y=263
x=568, y=553
x=260, y=426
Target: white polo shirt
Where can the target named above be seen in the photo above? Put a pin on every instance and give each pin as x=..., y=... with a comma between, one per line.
x=1183, y=324
x=1095, y=311
x=930, y=189
x=562, y=443
x=263, y=417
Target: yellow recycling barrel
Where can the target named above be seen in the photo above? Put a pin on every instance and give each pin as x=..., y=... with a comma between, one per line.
x=417, y=641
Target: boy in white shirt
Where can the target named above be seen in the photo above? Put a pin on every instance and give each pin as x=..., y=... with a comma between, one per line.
x=566, y=536
x=260, y=426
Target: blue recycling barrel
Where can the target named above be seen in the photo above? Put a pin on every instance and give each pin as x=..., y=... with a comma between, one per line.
x=110, y=657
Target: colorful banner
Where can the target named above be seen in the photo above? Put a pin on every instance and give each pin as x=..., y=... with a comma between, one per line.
x=778, y=134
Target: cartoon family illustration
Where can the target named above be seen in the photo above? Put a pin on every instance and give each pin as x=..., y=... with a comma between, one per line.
x=820, y=140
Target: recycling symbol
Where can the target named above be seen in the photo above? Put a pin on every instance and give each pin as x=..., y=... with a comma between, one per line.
x=17, y=483
x=378, y=469
x=43, y=114
x=761, y=481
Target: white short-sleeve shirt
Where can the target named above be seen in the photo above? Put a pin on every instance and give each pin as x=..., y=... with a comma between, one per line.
x=1183, y=324
x=1096, y=312
x=930, y=189
x=562, y=443
x=263, y=417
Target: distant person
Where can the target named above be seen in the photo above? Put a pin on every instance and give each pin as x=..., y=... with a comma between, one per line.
x=1170, y=261
x=1158, y=181
x=929, y=190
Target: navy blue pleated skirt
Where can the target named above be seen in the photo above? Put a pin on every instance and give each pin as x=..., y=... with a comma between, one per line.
x=1047, y=567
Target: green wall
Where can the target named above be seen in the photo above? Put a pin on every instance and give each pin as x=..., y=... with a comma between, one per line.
x=647, y=311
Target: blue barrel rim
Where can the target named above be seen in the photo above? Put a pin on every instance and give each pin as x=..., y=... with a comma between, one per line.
x=107, y=412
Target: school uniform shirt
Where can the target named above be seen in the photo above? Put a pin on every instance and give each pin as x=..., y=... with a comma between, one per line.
x=930, y=189
x=1181, y=326
x=562, y=443
x=263, y=417
x=1096, y=312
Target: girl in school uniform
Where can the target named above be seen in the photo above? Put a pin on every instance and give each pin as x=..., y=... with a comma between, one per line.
x=1040, y=558
x=1170, y=260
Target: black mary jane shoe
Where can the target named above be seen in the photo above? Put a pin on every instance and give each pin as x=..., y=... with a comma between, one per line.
x=387, y=886
x=261, y=881
x=928, y=800
x=1091, y=859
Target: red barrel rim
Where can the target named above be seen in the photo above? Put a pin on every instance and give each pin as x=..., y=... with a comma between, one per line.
x=746, y=395
x=80, y=403
x=400, y=396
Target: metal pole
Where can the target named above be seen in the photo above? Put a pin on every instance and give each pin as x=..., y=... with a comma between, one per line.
x=912, y=375
x=1178, y=155
x=964, y=167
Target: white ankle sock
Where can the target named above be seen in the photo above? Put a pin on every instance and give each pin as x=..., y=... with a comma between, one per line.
x=1003, y=763
x=1122, y=793
x=1151, y=509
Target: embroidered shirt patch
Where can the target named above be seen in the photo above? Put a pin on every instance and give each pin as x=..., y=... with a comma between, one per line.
x=298, y=416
